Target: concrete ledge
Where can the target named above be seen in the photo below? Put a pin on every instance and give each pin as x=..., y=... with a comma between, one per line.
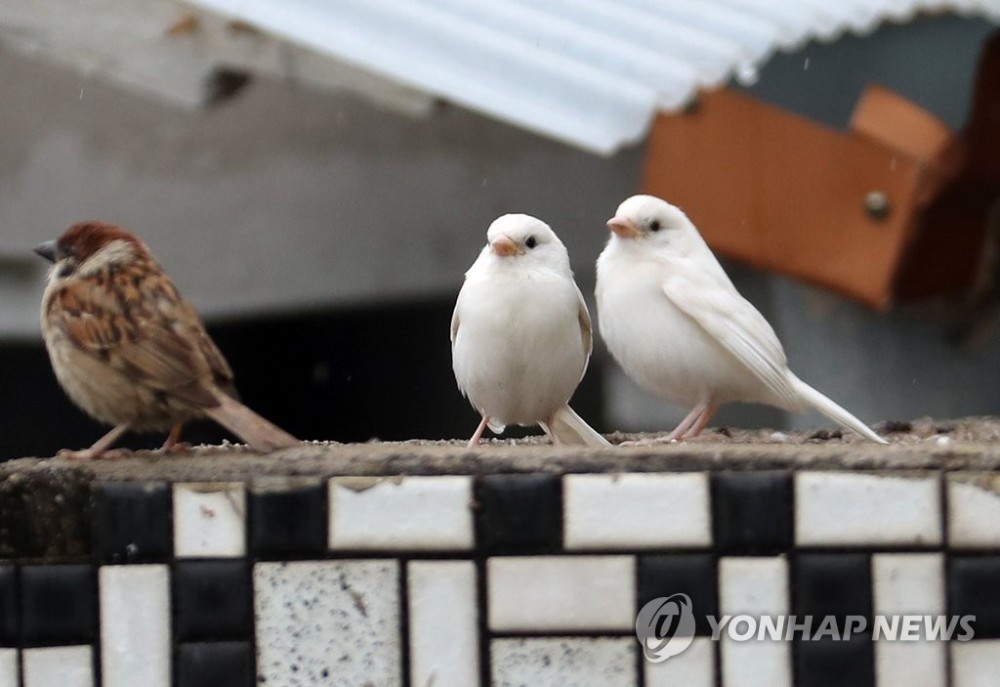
x=46, y=505
x=972, y=443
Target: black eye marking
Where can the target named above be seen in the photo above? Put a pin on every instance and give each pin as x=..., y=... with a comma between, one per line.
x=654, y=225
x=531, y=242
x=66, y=268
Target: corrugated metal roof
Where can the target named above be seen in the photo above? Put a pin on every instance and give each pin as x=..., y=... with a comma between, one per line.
x=591, y=74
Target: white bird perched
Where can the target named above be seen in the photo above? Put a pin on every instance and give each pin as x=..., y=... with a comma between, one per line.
x=521, y=334
x=681, y=330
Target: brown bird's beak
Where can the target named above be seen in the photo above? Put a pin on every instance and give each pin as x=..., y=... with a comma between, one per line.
x=623, y=227
x=504, y=247
x=47, y=250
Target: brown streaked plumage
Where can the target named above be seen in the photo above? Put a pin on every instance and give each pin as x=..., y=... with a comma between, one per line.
x=128, y=349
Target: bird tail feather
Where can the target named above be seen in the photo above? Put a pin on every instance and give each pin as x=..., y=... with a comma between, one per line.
x=566, y=427
x=258, y=433
x=834, y=412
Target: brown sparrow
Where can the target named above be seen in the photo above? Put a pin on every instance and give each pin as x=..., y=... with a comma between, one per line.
x=129, y=350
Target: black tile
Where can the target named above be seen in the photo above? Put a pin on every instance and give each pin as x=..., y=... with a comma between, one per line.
x=693, y=574
x=8, y=606
x=831, y=663
x=522, y=512
x=837, y=584
x=133, y=522
x=215, y=664
x=974, y=589
x=288, y=522
x=58, y=604
x=212, y=600
x=752, y=512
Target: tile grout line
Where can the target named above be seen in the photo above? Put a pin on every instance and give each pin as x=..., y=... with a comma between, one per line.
x=171, y=564
x=791, y=570
x=482, y=593
x=482, y=586
x=250, y=563
x=18, y=604
x=93, y=511
x=944, y=504
x=405, y=636
x=640, y=657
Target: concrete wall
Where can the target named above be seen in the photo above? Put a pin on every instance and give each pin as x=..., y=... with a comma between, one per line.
x=422, y=563
x=283, y=199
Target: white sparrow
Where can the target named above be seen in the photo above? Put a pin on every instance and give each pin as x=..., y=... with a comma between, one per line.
x=129, y=350
x=678, y=327
x=521, y=334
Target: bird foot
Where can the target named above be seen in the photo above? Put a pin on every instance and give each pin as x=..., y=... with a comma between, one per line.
x=179, y=447
x=91, y=454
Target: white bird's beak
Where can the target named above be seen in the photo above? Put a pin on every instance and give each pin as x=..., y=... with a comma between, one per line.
x=504, y=247
x=623, y=227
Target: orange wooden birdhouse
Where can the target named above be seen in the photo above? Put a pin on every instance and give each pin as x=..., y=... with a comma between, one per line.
x=897, y=208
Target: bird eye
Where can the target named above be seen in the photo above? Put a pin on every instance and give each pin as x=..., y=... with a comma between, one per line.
x=531, y=242
x=654, y=225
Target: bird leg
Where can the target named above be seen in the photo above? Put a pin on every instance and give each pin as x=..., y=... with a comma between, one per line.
x=689, y=427
x=173, y=443
x=685, y=425
x=474, y=441
x=707, y=411
x=547, y=428
x=100, y=447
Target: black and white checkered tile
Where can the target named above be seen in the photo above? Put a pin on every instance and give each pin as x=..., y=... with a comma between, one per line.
x=519, y=579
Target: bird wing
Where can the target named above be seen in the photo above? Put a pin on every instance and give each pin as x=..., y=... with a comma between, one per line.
x=716, y=307
x=586, y=330
x=145, y=330
x=454, y=326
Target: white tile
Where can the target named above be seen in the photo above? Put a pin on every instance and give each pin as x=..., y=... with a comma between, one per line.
x=910, y=664
x=135, y=625
x=331, y=623
x=756, y=662
x=561, y=593
x=636, y=511
x=413, y=513
x=209, y=520
x=909, y=583
x=755, y=587
x=974, y=511
x=850, y=509
x=564, y=662
x=694, y=667
x=975, y=663
x=8, y=668
x=444, y=623
x=59, y=666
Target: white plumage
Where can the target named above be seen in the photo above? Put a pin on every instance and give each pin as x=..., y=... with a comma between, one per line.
x=521, y=334
x=676, y=324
